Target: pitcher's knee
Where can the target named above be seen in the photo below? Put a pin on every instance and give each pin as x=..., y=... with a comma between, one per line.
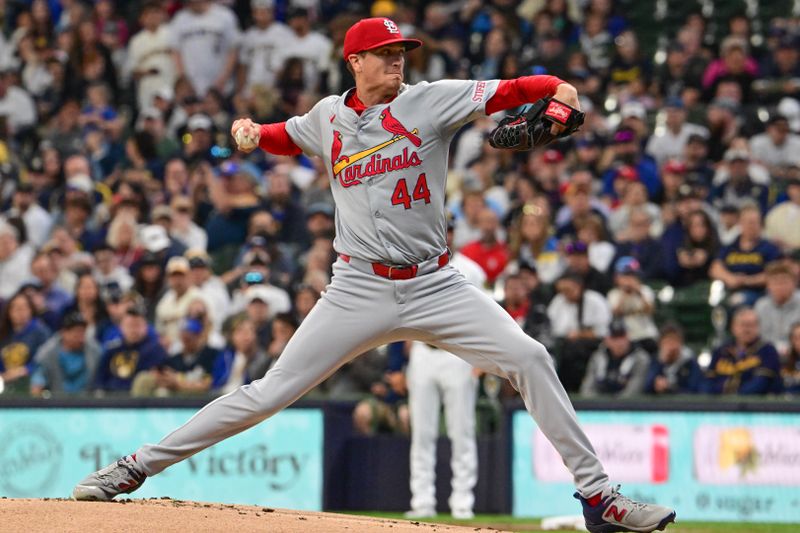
x=530, y=356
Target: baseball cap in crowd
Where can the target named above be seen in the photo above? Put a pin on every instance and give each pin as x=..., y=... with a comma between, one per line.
x=161, y=212
x=524, y=265
x=150, y=258
x=569, y=188
x=370, y=33
x=697, y=138
x=617, y=328
x=628, y=265
x=198, y=258
x=296, y=11
x=731, y=209
x=257, y=293
x=137, y=308
x=73, y=319
x=24, y=187
x=733, y=154
x=262, y=4
x=178, y=265
x=790, y=108
x=728, y=104
x=151, y=112
x=628, y=173
x=80, y=182
x=164, y=93
x=576, y=247
x=113, y=293
x=777, y=118
x=673, y=166
x=552, y=156
x=674, y=102
x=319, y=208
x=199, y=121
x=624, y=135
x=192, y=325
x=633, y=110
x=154, y=238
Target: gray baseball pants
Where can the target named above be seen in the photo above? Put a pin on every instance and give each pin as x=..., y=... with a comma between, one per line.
x=361, y=310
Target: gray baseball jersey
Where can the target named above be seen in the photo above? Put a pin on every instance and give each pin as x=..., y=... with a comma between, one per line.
x=389, y=166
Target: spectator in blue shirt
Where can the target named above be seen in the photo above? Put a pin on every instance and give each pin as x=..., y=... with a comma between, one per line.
x=627, y=151
x=21, y=335
x=675, y=370
x=125, y=357
x=741, y=264
x=746, y=364
x=67, y=362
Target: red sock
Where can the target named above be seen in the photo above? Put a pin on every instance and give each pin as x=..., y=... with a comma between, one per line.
x=595, y=500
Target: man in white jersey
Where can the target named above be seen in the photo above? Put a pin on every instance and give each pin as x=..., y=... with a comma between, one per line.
x=385, y=145
x=260, y=45
x=204, y=39
x=435, y=377
x=150, y=56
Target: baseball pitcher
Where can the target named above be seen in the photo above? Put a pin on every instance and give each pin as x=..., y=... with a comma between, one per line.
x=385, y=145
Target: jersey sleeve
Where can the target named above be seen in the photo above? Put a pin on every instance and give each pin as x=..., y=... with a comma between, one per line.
x=306, y=131
x=453, y=103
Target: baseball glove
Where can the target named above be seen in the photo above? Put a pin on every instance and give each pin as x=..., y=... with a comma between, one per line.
x=532, y=128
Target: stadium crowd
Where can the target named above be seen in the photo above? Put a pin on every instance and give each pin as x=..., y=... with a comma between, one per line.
x=141, y=254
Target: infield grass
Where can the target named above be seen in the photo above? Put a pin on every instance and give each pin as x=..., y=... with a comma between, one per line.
x=511, y=523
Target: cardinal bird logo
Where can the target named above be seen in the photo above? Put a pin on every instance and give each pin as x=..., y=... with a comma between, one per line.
x=393, y=126
x=336, y=148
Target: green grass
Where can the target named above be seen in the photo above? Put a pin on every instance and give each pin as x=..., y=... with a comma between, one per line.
x=511, y=523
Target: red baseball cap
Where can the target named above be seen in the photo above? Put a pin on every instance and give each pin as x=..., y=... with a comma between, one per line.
x=367, y=34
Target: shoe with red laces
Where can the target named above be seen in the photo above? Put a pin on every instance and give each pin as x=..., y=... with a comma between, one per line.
x=610, y=511
x=121, y=477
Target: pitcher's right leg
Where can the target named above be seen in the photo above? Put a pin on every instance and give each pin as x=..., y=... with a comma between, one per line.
x=357, y=312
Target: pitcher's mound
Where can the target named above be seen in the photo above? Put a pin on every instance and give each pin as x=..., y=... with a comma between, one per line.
x=176, y=516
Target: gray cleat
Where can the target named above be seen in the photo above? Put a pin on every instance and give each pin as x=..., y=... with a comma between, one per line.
x=121, y=477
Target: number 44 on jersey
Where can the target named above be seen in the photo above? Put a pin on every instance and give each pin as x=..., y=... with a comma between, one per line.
x=401, y=196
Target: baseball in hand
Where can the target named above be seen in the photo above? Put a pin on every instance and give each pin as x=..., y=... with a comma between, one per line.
x=245, y=142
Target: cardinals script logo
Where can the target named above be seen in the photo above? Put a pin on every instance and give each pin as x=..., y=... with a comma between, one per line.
x=351, y=169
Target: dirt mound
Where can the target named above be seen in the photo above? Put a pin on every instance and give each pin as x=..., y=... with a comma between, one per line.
x=175, y=516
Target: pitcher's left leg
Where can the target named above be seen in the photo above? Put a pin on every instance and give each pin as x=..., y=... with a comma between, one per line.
x=463, y=320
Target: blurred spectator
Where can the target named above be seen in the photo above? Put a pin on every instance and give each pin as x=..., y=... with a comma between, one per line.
x=88, y=303
x=211, y=286
x=204, y=37
x=577, y=253
x=633, y=303
x=306, y=297
x=186, y=372
x=734, y=64
x=634, y=198
x=107, y=269
x=675, y=370
x=385, y=409
x=149, y=282
x=67, y=362
x=670, y=141
x=780, y=307
x=260, y=49
x=173, y=304
x=16, y=105
x=618, y=367
x=625, y=150
x=15, y=261
x=739, y=188
x=124, y=357
x=636, y=242
x=45, y=272
x=37, y=219
x=283, y=327
x=242, y=361
x=592, y=231
x=790, y=370
x=579, y=319
x=311, y=47
x=777, y=148
x=746, y=364
x=489, y=252
x=531, y=241
x=21, y=336
x=149, y=59
x=698, y=251
x=779, y=226
x=741, y=264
